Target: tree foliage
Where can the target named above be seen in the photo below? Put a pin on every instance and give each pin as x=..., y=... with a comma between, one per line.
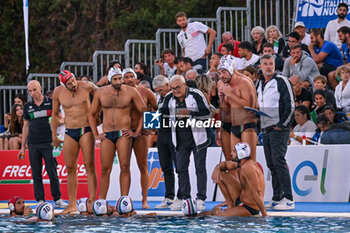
x=71, y=30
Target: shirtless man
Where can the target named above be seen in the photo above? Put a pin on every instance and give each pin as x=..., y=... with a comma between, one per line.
x=239, y=92
x=140, y=138
x=17, y=207
x=74, y=96
x=116, y=101
x=249, y=187
x=225, y=69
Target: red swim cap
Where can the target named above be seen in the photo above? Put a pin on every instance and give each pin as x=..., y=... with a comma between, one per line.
x=64, y=76
x=12, y=202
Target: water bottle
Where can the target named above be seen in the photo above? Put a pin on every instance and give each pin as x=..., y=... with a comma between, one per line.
x=57, y=150
x=304, y=140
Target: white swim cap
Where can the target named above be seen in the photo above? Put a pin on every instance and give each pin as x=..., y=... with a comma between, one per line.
x=82, y=204
x=189, y=207
x=242, y=150
x=99, y=207
x=124, y=205
x=113, y=71
x=129, y=70
x=44, y=211
x=227, y=62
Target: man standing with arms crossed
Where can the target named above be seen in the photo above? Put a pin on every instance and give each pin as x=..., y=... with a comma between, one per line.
x=74, y=96
x=36, y=128
x=115, y=100
x=191, y=39
x=140, y=139
x=276, y=98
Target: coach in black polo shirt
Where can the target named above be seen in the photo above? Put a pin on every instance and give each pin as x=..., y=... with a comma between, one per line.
x=37, y=129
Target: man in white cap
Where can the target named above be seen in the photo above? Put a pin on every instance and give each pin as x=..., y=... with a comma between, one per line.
x=299, y=27
x=115, y=100
x=239, y=92
x=250, y=186
x=140, y=137
x=74, y=97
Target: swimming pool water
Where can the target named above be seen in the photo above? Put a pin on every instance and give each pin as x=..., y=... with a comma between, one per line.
x=142, y=224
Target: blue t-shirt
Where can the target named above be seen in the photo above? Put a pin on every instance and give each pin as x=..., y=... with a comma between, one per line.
x=334, y=57
x=346, y=52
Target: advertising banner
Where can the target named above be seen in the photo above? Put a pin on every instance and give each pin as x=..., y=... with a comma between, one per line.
x=318, y=174
x=317, y=13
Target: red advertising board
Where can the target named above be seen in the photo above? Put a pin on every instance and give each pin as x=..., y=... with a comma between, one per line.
x=16, y=176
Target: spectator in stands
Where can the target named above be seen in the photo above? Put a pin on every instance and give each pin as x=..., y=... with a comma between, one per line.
x=342, y=91
x=20, y=99
x=191, y=39
x=320, y=103
x=302, y=95
x=177, y=64
x=204, y=84
x=258, y=34
x=299, y=63
x=167, y=63
x=191, y=74
x=142, y=68
x=269, y=49
x=214, y=62
x=293, y=38
x=247, y=57
x=344, y=37
x=214, y=95
x=333, y=25
x=227, y=49
x=325, y=53
x=320, y=83
x=227, y=38
x=16, y=127
x=305, y=126
x=185, y=64
x=323, y=124
x=252, y=73
x=333, y=116
x=104, y=80
x=145, y=84
x=275, y=37
x=299, y=27
x=337, y=134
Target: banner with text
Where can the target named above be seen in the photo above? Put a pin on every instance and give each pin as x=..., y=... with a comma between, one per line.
x=317, y=13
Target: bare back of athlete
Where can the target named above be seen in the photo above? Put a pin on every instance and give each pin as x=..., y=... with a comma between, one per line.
x=115, y=100
x=74, y=97
x=249, y=188
x=139, y=137
x=239, y=93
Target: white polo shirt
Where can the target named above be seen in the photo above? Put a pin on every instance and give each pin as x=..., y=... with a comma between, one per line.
x=242, y=63
x=193, y=40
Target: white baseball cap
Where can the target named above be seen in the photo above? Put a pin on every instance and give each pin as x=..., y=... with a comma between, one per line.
x=299, y=24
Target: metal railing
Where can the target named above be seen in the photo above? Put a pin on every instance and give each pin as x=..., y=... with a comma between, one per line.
x=48, y=81
x=101, y=60
x=79, y=69
x=7, y=93
x=141, y=51
x=273, y=12
x=235, y=20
